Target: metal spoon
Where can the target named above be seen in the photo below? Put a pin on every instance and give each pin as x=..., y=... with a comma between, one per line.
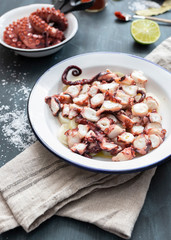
x=127, y=17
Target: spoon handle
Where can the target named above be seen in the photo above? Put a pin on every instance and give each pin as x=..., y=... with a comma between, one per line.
x=154, y=19
x=159, y=19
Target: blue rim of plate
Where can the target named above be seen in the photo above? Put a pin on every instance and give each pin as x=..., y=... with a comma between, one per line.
x=145, y=167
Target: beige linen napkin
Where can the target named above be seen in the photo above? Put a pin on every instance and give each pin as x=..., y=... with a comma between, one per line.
x=35, y=185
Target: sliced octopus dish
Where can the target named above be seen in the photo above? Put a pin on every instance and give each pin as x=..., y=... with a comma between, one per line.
x=109, y=113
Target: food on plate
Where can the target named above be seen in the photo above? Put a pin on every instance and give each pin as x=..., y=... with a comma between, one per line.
x=108, y=113
x=43, y=28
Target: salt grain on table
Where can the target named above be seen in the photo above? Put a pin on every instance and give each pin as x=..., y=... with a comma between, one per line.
x=16, y=128
x=14, y=122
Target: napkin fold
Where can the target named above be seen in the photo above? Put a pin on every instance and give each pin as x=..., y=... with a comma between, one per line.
x=36, y=185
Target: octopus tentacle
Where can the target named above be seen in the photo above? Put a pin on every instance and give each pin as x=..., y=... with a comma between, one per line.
x=41, y=26
x=11, y=36
x=52, y=15
x=35, y=31
x=27, y=36
x=102, y=76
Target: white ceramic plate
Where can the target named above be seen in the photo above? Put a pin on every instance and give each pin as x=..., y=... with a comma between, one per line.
x=46, y=126
x=25, y=11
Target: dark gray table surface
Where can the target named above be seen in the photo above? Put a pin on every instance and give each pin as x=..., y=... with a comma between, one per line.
x=97, y=32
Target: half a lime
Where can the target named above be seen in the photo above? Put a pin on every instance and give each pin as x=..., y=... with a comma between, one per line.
x=145, y=31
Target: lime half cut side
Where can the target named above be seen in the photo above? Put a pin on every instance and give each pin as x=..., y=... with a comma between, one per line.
x=145, y=31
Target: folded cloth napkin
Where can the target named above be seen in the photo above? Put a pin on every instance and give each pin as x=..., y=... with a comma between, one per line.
x=36, y=185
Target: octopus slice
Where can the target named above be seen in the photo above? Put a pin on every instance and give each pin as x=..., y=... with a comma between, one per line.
x=140, y=109
x=124, y=155
x=142, y=144
x=109, y=106
x=126, y=137
x=79, y=148
x=82, y=130
x=90, y=114
x=90, y=136
x=65, y=110
x=136, y=120
x=109, y=146
x=111, y=117
x=139, y=77
x=97, y=100
x=81, y=99
x=104, y=124
x=73, y=91
x=107, y=76
x=140, y=96
x=54, y=105
x=153, y=125
x=155, y=117
x=156, y=140
x=85, y=89
x=151, y=103
x=137, y=129
x=72, y=113
x=127, y=122
x=122, y=98
x=72, y=137
x=93, y=91
x=110, y=87
x=125, y=80
x=114, y=131
x=156, y=131
x=130, y=90
x=65, y=98
x=74, y=110
x=155, y=128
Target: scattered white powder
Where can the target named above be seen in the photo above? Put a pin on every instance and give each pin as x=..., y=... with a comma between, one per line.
x=4, y=82
x=24, y=90
x=141, y=5
x=16, y=128
x=4, y=108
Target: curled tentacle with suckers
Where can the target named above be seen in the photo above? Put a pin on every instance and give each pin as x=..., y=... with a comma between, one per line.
x=43, y=28
x=51, y=15
x=102, y=76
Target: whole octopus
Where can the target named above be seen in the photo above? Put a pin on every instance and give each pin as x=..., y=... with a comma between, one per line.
x=113, y=113
x=43, y=28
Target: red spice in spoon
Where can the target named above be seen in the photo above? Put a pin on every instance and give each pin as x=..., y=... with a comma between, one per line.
x=120, y=16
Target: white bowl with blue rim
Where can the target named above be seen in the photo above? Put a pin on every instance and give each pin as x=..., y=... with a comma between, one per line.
x=46, y=126
x=25, y=11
